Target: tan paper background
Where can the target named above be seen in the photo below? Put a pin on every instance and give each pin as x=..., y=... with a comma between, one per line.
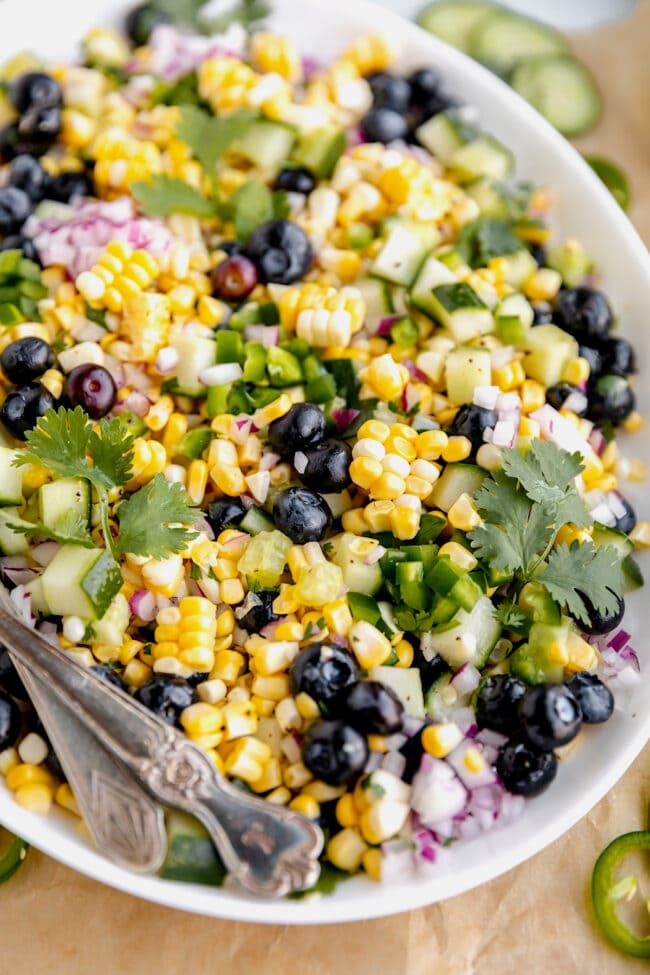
x=532, y=921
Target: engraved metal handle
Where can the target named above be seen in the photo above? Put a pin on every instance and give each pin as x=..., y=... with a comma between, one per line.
x=269, y=849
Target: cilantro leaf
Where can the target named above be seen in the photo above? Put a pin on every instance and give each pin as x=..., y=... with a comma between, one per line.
x=69, y=527
x=59, y=441
x=515, y=529
x=246, y=12
x=111, y=452
x=486, y=238
x=547, y=474
x=511, y=617
x=584, y=570
x=209, y=137
x=147, y=516
x=163, y=195
x=184, y=13
x=189, y=13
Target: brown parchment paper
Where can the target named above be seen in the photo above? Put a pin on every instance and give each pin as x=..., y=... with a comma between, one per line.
x=532, y=921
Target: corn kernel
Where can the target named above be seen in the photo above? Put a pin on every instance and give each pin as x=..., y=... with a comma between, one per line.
x=457, y=449
x=296, y=776
x=232, y=591
x=36, y=798
x=369, y=645
x=463, y=514
x=346, y=849
x=459, y=555
x=440, y=740
x=271, y=777
x=371, y=862
x=346, y=811
x=306, y=805
x=632, y=424
x=404, y=652
x=64, y=797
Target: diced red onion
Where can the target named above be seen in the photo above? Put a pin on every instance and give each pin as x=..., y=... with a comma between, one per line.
x=603, y=514
x=559, y=430
x=373, y=762
x=375, y=554
x=268, y=631
x=398, y=861
x=203, y=525
x=631, y=657
x=356, y=137
x=619, y=639
x=504, y=434
x=233, y=543
x=310, y=67
x=23, y=602
x=415, y=372
x=395, y=763
x=241, y=429
x=411, y=725
x=491, y=738
x=466, y=680
x=291, y=749
x=507, y=402
x=221, y=374
x=616, y=505
x=343, y=418
x=268, y=335
x=385, y=325
x=465, y=719
x=576, y=402
x=486, y=396
x=247, y=501
x=502, y=356
x=45, y=552
x=268, y=461
x=143, y=605
x=472, y=780
x=166, y=360
x=438, y=793
x=135, y=402
x=19, y=577
x=488, y=434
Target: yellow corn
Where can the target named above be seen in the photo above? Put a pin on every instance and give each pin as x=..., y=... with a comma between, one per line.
x=201, y=719
x=457, y=449
x=271, y=777
x=463, y=514
x=270, y=52
x=35, y=798
x=404, y=652
x=632, y=424
x=459, y=555
x=26, y=775
x=306, y=805
x=431, y=443
x=371, y=862
x=404, y=522
x=373, y=52
x=510, y=376
x=369, y=645
x=240, y=718
x=145, y=324
x=386, y=377
x=113, y=279
x=640, y=534
x=346, y=849
x=576, y=371
x=543, y=285
x=441, y=739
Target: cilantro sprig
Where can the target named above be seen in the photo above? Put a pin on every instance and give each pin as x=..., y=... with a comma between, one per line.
x=190, y=13
x=523, y=506
x=152, y=520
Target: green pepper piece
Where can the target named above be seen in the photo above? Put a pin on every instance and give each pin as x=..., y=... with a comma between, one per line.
x=13, y=858
x=606, y=892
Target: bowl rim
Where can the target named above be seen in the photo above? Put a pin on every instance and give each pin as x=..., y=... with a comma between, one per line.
x=229, y=904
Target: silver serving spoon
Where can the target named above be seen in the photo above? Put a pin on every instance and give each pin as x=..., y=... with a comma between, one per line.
x=124, y=756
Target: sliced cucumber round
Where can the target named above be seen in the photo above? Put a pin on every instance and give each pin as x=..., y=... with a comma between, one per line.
x=502, y=40
x=613, y=177
x=454, y=20
x=561, y=89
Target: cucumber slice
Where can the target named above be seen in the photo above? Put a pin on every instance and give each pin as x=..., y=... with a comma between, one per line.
x=57, y=498
x=513, y=315
x=466, y=368
x=458, y=307
x=469, y=639
x=432, y=274
x=406, y=682
x=425, y=232
x=548, y=349
x=11, y=479
x=357, y=576
x=266, y=144
x=81, y=582
x=521, y=265
x=255, y=521
x=38, y=602
x=444, y=134
x=11, y=542
x=400, y=258
x=562, y=90
x=320, y=150
x=571, y=260
x=377, y=297
x=502, y=40
x=613, y=177
x=485, y=156
x=191, y=855
x=454, y=20
x=457, y=479
x=603, y=535
x=110, y=629
x=194, y=355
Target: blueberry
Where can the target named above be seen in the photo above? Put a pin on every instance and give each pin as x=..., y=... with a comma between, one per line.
x=542, y=313
x=431, y=671
x=26, y=359
x=538, y=252
x=626, y=521
x=595, y=698
x=9, y=679
x=106, y=673
x=585, y=313
x=374, y=708
x=412, y=750
x=234, y=278
x=437, y=102
x=471, y=421
x=259, y=610
x=13, y=143
x=384, y=125
x=328, y=467
x=600, y=622
x=54, y=767
x=610, y=398
x=424, y=83
x=10, y=721
x=334, y=752
x=27, y=174
x=594, y=358
x=34, y=89
x=15, y=207
x=69, y=186
x=14, y=242
x=301, y=428
x=140, y=21
x=92, y=388
x=302, y=515
x=166, y=696
x=281, y=251
x=389, y=91
x=21, y=410
x=550, y=716
x=224, y=513
x=524, y=769
x=40, y=125
x=231, y=247
x=326, y=672
x=295, y=179
x=557, y=396
x=618, y=357
x=497, y=704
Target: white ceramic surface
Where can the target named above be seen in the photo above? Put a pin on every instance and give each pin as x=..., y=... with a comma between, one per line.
x=584, y=209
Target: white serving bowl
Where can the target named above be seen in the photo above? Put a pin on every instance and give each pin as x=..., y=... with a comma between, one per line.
x=583, y=209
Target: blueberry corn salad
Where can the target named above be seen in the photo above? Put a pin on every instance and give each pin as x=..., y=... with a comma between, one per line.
x=309, y=435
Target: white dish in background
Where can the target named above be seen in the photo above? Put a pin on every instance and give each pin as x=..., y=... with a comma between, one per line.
x=584, y=209
x=574, y=16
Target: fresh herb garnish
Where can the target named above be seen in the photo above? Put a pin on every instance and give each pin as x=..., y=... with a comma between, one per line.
x=163, y=195
x=69, y=527
x=209, y=137
x=486, y=238
x=252, y=205
x=523, y=506
x=151, y=519
x=189, y=13
x=512, y=618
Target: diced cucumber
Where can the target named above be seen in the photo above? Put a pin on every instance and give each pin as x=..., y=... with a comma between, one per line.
x=428, y=233
x=400, y=258
x=454, y=20
x=12, y=542
x=81, y=582
x=191, y=855
x=266, y=144
x=571, y=260
x=57, y=498
x=457, y=479
x=459, y=308
x=562, y=90
x=444, y=134
x=519, y=267
x=38, y=602
x=11, y=479
x=632, y=573
x=357, y=576
x=434, y=702
x=377, y=297
x=485, y=156
x=515, y=306
x=502, y=39
x=466, y=367
x=548, y=349
x=110, y=629
x=256, y=520
x=490, y=197
x=432, y=274
x=603, y=535
x=320, y=150
x=194, y=355
x=406, y=682
x=470, y=640
x=532, y=661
